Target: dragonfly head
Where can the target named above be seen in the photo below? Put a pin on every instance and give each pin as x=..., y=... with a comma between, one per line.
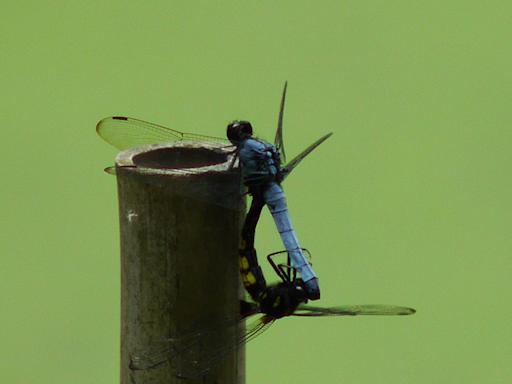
x=238, y=130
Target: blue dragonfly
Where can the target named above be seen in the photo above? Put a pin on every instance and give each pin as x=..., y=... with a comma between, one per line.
x=127, y=132
x=262, y=175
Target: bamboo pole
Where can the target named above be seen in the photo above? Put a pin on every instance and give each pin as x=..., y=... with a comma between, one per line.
x=179, y=261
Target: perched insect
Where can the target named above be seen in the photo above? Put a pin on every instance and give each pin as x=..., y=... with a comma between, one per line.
x=191, y=357
x=262, y=175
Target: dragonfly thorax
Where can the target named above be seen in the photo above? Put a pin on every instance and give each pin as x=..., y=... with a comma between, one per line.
x=282, y=299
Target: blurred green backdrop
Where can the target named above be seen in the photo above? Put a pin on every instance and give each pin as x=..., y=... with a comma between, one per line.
x=408, y=203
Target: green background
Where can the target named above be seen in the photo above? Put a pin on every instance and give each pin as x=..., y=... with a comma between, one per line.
x=408, y=203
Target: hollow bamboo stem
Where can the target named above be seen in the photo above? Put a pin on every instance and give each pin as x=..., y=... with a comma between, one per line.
x=180, y=215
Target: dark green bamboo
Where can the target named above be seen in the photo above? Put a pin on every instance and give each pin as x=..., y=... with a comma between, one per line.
x=180, y=216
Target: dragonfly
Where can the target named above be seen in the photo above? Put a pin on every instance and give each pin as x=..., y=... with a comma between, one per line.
x=127, y=132
x=193, y=358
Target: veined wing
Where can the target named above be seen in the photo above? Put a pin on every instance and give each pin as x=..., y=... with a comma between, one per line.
x=127, y=132
x=195, y=365
x=195, y=354
x=278, y=142
x=288, y=168
x=354, y=310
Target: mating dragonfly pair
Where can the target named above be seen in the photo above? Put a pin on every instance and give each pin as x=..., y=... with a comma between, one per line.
x=288, y=298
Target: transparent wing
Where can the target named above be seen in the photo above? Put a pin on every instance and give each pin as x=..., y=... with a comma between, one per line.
x=278, y=142
x=127, y=132
x=195, y=354
x=354, y=310
x=288, y=168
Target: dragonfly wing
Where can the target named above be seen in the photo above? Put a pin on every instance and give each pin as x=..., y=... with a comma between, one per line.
x=195, y=354
x=288, y=168
x=127, y=132
x=197, y=362
x=110, y=170
x=354, y=310
x=278, y=142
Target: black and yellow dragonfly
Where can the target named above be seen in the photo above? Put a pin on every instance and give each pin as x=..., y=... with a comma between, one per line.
x=194, y=354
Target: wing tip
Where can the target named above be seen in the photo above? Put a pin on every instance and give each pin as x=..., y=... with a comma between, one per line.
x=110, y=170
x=409, y=311
x=99, y=124
x=106, y=119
